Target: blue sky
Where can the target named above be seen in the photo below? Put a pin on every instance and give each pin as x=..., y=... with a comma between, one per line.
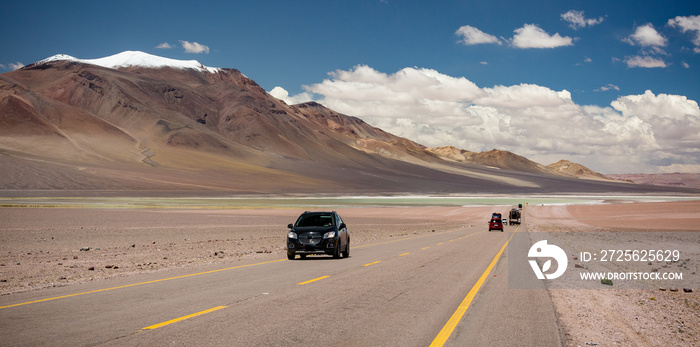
x=548, y=80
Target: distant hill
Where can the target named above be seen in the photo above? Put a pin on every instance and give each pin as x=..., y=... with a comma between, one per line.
x=493, y=158
x=577, y=170
x=689, y=180
x=135, y=121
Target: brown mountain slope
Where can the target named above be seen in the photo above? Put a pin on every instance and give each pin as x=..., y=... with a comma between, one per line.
x=493, y=158
x=357, y=134
x=73, y=125
x=170, y=126
x=577, y=170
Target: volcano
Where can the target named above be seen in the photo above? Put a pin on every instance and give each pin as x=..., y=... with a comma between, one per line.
x=134, y=121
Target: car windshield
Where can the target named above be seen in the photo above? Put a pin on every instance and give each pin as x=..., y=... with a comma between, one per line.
x=315, y=220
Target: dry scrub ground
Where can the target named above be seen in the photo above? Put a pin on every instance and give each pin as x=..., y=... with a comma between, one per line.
x=624, y=317
x=41, y=247
x=46, y=247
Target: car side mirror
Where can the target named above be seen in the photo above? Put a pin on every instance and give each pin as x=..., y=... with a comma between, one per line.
x=290, y=226
x=343, y=226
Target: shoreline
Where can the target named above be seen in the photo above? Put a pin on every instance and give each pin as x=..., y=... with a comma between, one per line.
x=349, y=201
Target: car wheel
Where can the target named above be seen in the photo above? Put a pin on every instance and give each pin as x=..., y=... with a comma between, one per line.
x=336, y=251
x=346, y=253
x=290, y=255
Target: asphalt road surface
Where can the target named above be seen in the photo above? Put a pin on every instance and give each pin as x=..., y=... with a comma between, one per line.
x=444, y=288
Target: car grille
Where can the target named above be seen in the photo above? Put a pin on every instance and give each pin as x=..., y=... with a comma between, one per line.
x=309, y=239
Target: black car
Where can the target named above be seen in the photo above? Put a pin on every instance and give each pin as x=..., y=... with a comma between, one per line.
x=318, y=233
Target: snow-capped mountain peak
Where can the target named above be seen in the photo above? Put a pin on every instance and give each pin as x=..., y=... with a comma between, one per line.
x=134, y=58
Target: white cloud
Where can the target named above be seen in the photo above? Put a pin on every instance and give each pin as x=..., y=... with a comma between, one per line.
x=685, y=65
x=646, y=36
x=675, y=122
x=282, y=94
x=532, y=36
x=674, y=118
x=651, y=42
x=637, y=133
x=607, y=87
x=164, y=45
x=16, y=66
x=194, y=47
x=644, y=61
x=12, y=66
x=577, y=20
x=690, y=23
x=483, y=62
x=420, y=92
x=473, y=36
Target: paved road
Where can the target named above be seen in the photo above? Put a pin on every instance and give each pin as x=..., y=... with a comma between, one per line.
x=396, y=293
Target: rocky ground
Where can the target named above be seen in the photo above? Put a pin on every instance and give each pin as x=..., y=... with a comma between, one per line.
x=660, y=316
x=46, y=247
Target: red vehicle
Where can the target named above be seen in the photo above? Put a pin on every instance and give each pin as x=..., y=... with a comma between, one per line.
x=496, y=222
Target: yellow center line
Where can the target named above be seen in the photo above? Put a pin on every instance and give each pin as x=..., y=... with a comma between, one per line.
x=451, y=324
x=372, y=263
x=313, y=280
x=138, y=284
x=156, y=326
x=194, y=274
x=407, y=253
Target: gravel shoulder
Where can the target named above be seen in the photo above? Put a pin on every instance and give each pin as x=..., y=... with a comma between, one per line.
x=625, y=317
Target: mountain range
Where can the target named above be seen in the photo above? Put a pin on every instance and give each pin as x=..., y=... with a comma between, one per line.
x=135, y=121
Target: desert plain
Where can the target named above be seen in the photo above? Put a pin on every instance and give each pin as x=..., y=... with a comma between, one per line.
x=44, y=247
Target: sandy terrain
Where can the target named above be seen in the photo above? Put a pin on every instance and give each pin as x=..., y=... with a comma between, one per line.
x=625, y=317
x=41, y=247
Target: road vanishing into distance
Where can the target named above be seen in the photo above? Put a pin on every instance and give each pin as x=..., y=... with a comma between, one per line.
x=445, y=288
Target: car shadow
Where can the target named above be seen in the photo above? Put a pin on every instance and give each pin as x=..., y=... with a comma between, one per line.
x=318, y=258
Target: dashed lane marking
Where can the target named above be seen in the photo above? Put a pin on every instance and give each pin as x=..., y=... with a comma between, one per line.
x=313, y=280
x=137, y=284
x=156, y=326
x=372, y=263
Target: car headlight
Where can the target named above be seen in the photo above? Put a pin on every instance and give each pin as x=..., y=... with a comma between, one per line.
x=329, y=235
x=292, y=235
